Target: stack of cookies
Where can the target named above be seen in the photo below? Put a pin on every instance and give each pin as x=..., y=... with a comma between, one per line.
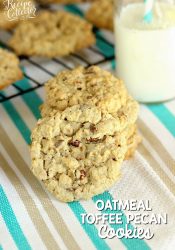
x=88, y=128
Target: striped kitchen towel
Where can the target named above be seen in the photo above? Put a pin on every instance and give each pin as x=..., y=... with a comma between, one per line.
x=33, y=219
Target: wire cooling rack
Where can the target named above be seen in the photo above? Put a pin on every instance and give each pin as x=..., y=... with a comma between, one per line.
x=99, y=58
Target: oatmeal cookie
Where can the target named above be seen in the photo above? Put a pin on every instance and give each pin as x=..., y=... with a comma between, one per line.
x=91, y=85
x=9, y=68
x=101, y=14
x=126, y=115
x=133, y=140
x=52, y=34
x=128, y=118
x=126, y=121
x=77, y=153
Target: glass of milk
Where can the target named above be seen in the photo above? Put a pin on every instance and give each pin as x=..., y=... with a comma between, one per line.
x=145, y=52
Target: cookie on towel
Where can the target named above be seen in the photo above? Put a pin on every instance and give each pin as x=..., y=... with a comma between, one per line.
x=133, y=140
x=10, y=71
x=100, y=14
x=127, y=119
x=126, y=115
x=77, y=153
x=52, y=34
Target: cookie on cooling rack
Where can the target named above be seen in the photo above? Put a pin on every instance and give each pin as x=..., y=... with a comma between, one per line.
x=52, y=34
x=77, y=153
x=9, y=68
x=100, y=14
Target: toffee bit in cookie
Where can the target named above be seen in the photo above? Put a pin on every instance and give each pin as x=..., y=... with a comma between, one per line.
x=96, y=140
x=79, y=88
x=104, y=137
x=79, y=158
x=82, y=174
x=93, y=140
x=70, y=189
x=93, y=128
x=89, y=97
x=75, y=143
x=58, y=143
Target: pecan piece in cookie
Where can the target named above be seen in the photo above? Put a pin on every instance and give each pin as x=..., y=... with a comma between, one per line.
x=75, y=143
x=93, y=128
x=82, y=174
x=93, y=140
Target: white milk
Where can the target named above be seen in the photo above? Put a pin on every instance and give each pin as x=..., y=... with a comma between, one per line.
x=146, y=52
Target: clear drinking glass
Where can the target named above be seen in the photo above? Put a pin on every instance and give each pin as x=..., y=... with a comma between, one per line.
x=145, y=50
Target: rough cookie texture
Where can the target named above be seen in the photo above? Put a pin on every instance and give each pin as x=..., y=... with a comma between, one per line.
x=125, y=116
x=59, y=33
x=92, y=85
x=101, y=14
x=9, y=68
x=77, y=153
x=133, y=140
